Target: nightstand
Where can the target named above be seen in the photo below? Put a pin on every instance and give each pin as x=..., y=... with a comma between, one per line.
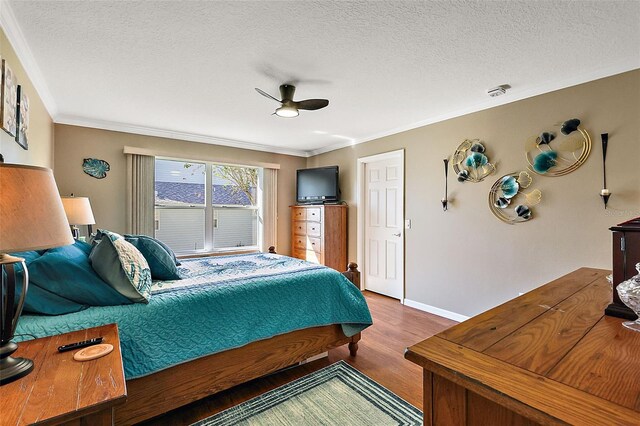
x=62, y=390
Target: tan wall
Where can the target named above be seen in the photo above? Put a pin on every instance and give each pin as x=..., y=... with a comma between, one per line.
x=40, y=152
x=465, y=260
x=107, y=195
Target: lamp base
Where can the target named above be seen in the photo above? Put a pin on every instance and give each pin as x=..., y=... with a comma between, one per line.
x=12, y=368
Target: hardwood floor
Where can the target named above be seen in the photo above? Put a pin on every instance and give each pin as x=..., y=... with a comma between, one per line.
x=380, y=356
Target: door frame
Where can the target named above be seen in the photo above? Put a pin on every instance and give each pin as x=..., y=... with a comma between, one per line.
x=360, y=197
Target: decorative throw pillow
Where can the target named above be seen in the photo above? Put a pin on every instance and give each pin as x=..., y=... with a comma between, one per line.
x=158, y=242
x=122, y=266
x=160, y=262
x=40, y=301
x=66, y=272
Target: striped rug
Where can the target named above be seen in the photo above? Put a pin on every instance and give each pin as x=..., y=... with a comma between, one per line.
x=336, y=395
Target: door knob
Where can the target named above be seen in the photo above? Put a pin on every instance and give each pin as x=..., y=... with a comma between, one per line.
x=397, y=235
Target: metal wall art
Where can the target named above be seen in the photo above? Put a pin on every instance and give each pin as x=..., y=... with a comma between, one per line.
x=445, y=200
x=508, y=201
x=470, y=162
x=551, y=156
x=95, y=168
x=604, y=192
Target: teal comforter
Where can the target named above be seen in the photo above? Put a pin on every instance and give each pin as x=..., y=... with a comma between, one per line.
x=221, y=303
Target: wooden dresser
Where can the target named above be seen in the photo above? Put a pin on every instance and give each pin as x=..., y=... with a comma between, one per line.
x=319, y=234
x=547, y=357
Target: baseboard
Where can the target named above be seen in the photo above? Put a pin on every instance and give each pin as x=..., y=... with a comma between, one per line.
x=436, y=311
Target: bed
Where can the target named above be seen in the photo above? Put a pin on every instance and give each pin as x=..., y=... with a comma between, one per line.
x=229, y=320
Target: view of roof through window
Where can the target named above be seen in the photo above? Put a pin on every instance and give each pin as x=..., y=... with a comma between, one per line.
x=183, y=183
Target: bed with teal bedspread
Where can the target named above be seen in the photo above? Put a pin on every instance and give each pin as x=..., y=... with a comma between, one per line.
x=221, y=303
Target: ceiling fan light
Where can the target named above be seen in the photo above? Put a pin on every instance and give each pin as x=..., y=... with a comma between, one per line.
x=287, y=111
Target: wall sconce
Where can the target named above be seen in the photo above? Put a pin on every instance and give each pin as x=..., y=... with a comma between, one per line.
x=445, y=201
x=604, y=193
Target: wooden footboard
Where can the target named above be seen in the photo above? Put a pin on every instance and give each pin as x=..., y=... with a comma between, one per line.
x=182, y=384
x=174, y=387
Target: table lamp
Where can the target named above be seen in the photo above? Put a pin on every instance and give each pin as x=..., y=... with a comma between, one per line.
x=31, y=218
x=78, y=211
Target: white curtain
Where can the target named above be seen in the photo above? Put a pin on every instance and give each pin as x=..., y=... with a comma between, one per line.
x=269, y=208
x=140, y=194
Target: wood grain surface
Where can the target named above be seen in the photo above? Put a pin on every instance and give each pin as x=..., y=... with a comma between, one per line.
x=605, y=363
x=61, y=389
x=484, y=412
x=540, y=344
x=531, y=395
x=548, y=357
x=489, y=327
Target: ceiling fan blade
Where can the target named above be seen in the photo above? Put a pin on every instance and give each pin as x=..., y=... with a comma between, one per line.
x=266, y=95
x=312, y=104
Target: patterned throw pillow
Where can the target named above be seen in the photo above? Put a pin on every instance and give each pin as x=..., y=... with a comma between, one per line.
x=162, y=265
x=122, y=266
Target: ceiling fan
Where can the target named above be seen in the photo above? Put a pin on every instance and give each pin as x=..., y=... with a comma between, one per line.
x=290, y=107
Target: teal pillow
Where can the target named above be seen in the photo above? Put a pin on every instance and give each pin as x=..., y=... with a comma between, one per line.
x=160, y=262
x=38, y=300
x=122, y=266
x=28, y=256
x=66, y=272
x=158, y=242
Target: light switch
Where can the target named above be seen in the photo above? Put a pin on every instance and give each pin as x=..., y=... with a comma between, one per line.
x=407, y=224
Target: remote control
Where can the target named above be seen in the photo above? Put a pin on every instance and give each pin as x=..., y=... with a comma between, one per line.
x=78, y=345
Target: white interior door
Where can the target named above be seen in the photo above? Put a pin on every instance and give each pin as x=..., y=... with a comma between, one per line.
x=383, y=225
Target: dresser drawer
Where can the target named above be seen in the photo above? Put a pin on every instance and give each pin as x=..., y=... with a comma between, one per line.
x=314, y=244
x=300, y=227
x=299, y=213
x=308, y=255
x=299, y=242
x=313, y=229
x=314, y=214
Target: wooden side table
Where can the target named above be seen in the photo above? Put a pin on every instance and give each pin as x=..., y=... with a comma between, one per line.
x=62, y=390
x=547, y=357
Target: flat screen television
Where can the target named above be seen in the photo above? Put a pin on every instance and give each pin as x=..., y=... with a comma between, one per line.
x=317, y=186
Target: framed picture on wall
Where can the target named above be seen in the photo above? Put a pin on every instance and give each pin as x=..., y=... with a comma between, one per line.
x=22, y=118
x=9, y=96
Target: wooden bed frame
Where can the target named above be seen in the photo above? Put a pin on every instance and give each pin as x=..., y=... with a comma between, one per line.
x=182, y=384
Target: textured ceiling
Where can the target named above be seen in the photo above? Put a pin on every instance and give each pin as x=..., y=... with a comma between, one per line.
x=190, y=66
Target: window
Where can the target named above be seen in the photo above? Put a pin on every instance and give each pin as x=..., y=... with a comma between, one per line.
x=235, y=210
x=206, y=206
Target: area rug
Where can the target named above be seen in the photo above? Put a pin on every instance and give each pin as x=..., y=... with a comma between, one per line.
x=336, y=395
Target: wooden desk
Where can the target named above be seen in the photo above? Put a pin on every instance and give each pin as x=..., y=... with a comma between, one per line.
x=548, y=357
x=62, y=390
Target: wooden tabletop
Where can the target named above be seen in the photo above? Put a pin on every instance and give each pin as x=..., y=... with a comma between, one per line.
x=59, y=388
x=549, y=355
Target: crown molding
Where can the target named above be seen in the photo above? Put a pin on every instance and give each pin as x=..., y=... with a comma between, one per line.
x=170, y=134
x=25, y=56
x=513, y=95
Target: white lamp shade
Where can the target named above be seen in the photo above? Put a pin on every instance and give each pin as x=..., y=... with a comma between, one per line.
x=78, y=210
x=31, y=213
